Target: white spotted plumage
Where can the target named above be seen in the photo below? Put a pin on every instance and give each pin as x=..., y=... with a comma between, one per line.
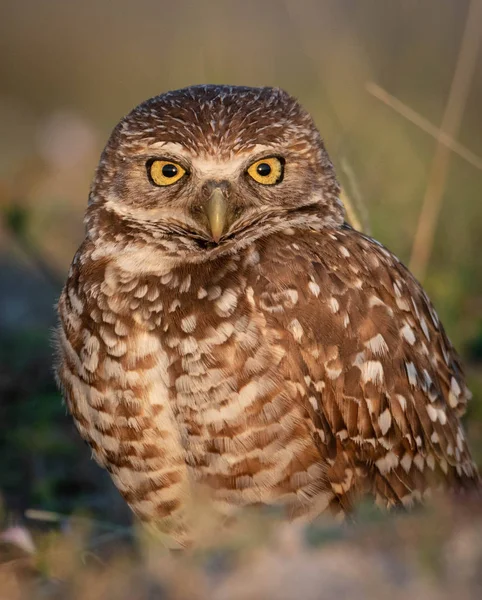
x=293, y=361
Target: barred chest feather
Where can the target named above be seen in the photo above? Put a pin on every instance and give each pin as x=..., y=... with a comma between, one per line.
x=296, y=371
x=174, y=379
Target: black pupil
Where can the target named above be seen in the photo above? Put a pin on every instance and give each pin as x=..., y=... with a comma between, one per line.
x=263, y=169
x=169, y=170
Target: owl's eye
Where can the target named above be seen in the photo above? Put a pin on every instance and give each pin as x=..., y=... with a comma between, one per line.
x=164, y=172
x=267, y=171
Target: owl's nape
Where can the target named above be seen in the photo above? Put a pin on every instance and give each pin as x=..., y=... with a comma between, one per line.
x=223, y=330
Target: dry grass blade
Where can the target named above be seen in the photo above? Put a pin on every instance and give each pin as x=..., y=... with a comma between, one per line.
x=48, y=516
x=461, y=82
x=424, y=124
x=355, y=207
x=351, y=213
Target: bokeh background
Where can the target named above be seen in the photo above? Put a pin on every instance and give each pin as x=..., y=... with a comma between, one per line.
x=376, y=75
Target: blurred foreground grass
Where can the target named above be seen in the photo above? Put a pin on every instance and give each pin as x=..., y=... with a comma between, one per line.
x=434, y=553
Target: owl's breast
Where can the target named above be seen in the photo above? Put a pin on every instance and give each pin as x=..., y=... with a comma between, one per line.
x=242, y=422
x=177, y=380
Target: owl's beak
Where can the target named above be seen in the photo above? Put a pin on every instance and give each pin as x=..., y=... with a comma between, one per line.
x=216, y=211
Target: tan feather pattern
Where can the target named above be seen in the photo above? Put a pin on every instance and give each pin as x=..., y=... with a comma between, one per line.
x=308, y=385
x=380, y=377
x=293, y=362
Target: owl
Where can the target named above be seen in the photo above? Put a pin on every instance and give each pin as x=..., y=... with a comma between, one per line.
x=223, y=329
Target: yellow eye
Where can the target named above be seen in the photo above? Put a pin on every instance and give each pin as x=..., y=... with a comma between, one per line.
x=267, y=171
x=165, y=172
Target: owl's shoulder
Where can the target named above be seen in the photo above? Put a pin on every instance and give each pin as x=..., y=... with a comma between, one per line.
x=340, y=288
x=365, y=342
x=338, y=261
x=342, y=249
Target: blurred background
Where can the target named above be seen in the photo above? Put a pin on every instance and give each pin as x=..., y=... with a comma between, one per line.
x=379, y=77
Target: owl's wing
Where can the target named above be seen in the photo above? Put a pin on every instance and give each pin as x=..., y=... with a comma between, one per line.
x=379, y=376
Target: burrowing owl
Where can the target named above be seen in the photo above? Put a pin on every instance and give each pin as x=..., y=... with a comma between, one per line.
x=222, y=326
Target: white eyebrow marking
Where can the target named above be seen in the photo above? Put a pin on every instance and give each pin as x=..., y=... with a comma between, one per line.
x=211, y=167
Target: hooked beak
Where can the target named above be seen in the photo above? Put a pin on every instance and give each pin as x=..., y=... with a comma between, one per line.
x=216, y=211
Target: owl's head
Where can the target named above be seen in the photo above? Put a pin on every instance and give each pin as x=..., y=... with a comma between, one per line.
x=210, y=167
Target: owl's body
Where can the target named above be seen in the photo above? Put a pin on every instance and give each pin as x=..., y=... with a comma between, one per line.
x=246, y=340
